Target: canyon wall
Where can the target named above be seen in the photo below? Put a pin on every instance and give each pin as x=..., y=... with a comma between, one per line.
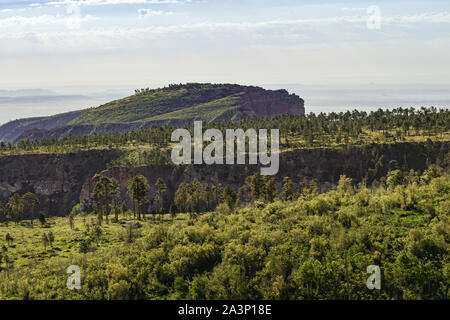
x=55, y=179
x=62, y=181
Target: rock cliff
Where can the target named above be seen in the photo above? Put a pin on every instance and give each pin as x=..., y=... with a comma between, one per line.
x=63, y=181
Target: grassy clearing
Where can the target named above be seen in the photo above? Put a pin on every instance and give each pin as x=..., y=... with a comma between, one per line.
x=28, y=248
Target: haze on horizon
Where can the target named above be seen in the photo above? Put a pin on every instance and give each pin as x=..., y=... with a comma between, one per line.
x=90, y=51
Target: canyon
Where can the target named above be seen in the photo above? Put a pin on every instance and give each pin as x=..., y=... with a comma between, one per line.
x=65, y=180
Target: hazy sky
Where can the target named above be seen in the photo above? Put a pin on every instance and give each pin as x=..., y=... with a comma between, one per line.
x=317, y=45
x=137, y=42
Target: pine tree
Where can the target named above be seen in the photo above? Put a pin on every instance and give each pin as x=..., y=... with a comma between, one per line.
x=287, y=192
x=123, y=208
x=181, y=196
x=255, y=184
x=209, y=196
x=195, y=197
x=138, y=189
x=229, y=197
x=270, y=189
x=218, y=193
x=160, y=190
x=16, y=206
x=104, y=189
x=31, y=201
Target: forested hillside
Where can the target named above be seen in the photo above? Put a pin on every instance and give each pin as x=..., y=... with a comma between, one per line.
x=285, y=244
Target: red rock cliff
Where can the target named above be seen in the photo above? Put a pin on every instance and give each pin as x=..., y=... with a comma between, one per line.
x=258, y=102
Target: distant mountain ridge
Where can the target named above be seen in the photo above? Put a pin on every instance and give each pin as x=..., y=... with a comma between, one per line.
x=13, y=129
x=174, y=105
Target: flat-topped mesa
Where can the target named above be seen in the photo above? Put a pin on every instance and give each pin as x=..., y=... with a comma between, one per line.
x=176, y=105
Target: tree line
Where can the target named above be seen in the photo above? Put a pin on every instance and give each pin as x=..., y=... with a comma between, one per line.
x=296, y=131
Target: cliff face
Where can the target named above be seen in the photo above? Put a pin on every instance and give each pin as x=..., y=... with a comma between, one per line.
x=56, y=180
x=64, y=181
x=326, y=165
x=262, y=103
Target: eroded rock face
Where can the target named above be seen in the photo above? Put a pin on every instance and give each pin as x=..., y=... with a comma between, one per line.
x=56, y=179
x=326, y=165
x=258, y=102
x=66, y=180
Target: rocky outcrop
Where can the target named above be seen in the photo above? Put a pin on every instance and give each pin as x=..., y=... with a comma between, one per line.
x=257, y=102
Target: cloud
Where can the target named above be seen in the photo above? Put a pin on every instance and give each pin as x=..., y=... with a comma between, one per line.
x=61, y=33
x=42, y=21
x=426, y=17
x=354, y=9
x=108, y=2
x=146, y=13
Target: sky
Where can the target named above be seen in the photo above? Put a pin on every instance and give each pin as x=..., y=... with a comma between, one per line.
x=316, y=48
